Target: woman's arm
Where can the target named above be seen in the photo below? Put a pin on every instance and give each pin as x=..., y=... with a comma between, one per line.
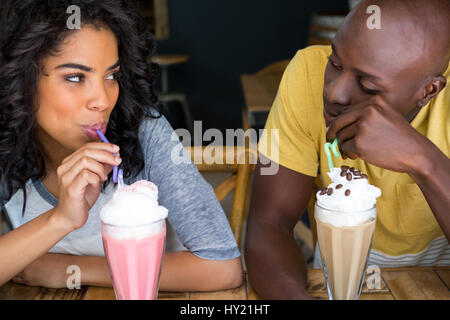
x=20, y=247
x=79, y=178
x=181, y=271
x=184, y=271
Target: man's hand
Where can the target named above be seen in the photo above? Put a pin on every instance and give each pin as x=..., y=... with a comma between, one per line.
x=377, y=133
x=47, y=271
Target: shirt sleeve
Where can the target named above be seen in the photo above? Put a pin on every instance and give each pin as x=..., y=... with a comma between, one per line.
x=287, y=138
x=194, y=211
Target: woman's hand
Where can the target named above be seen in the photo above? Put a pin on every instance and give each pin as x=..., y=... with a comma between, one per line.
x=80, y=177
x=49, y=270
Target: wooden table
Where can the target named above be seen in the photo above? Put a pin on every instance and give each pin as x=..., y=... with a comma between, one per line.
x=259, y=92
x=430, y=283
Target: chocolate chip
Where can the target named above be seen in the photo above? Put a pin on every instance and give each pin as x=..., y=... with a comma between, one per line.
x=343, y=173
x=339, y=186
x=351, y=169
x=347, y=192
x=323, y=191
x=349, y=176
x=330, y=191
x=357, y=173
x=345, y=168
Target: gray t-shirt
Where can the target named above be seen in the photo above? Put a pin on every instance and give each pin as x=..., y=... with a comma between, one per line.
x=196, y=219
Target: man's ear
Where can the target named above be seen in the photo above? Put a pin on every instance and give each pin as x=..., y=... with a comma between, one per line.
x=432, y=89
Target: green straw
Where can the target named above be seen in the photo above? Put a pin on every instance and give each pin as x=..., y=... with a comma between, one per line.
x=334, y=148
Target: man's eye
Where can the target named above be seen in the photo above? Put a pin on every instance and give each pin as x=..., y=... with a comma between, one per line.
x=368, y=91
x=334, y=64
x=75, y=78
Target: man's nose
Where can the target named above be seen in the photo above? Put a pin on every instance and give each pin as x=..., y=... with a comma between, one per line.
x=99, y=98
x=338, y=91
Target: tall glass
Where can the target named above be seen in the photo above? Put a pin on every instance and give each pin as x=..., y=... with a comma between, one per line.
x=134, y=255
x=344, y=251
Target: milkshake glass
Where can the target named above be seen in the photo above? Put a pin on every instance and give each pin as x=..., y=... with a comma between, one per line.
x=134, y=233
x=345, y=215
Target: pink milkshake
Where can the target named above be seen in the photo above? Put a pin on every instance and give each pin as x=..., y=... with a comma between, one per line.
x=134, y=233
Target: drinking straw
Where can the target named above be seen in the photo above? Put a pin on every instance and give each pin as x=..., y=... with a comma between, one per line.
x=120, y=179
x=115, y=169
x=334, y=148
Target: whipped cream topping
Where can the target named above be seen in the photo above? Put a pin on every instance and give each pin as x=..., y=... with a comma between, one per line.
x=134, y=205
x=349, y=192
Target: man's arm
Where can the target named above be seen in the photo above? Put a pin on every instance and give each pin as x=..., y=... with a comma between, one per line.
x=275, y=263
x=431, y=172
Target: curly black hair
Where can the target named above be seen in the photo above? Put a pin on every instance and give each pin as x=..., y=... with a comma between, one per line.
x=31, y=30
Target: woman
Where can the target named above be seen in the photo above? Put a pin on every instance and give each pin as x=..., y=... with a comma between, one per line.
x=57, y=86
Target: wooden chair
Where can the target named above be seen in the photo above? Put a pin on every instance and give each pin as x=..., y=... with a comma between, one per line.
x=276, y=67
x=240, y=182
x=260, y=90
x=239, y=161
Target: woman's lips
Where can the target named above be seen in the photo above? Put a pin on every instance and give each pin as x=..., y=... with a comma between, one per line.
x=91, y=130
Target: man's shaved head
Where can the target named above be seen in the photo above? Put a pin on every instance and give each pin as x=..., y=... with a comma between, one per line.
x=403, y=61
x=421, y=26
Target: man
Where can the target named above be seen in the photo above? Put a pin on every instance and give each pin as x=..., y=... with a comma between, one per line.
x=382, y=93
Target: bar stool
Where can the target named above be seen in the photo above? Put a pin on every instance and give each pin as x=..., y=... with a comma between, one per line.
x=165, y=96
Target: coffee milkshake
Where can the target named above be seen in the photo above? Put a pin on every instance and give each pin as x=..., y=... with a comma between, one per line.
x=134, y=233
x=345, y=214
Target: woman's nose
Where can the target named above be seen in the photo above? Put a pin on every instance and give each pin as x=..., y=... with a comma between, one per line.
x=99, y=99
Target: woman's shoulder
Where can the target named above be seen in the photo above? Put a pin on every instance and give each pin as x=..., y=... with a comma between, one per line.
x=154, y=125
x=157, y=136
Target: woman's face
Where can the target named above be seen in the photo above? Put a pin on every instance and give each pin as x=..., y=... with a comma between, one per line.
x=78, y=90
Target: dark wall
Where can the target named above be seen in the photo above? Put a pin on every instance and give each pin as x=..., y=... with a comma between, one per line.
x=226, y=38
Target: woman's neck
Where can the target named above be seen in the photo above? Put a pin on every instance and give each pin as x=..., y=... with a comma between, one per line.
x=54, y=152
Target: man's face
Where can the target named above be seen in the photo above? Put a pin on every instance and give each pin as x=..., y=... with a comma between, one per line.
x=367, y=63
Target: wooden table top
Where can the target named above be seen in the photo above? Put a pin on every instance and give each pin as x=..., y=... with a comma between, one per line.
x=260, y=90
x=427, y=283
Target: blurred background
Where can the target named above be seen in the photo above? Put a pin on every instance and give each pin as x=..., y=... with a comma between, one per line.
x=221, y=63
x=219, y=41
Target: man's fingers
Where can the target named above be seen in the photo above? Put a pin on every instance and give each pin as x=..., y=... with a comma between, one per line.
x=348, y=148
x=347, y=133
x=344, y=120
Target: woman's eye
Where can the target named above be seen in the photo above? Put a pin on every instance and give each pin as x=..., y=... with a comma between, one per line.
x=75, y=78
x=113, y=76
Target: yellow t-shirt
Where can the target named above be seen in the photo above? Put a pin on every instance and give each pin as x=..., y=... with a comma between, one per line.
x=407, y=232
